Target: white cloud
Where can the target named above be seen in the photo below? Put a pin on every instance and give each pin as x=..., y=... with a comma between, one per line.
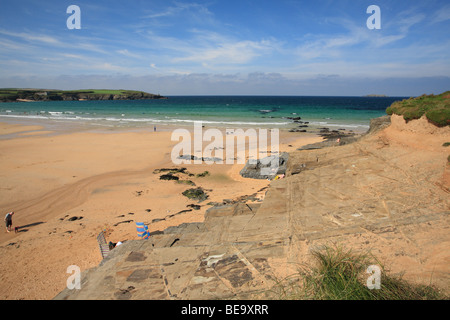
x=441, y=15
x=226, y=52
x=181, y=8
x=407, y=22
x=14, y=46
x=73, y=56
x=127, y=53
x=358, y=39
x=209, y=49
x=32, y=37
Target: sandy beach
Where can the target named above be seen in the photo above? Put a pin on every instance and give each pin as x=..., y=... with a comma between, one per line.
x=65, y=186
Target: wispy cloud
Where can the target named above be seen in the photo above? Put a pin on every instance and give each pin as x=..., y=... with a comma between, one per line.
x=129, y=54
x=180, y=8
x=210, y=49
x=45, y=39
x=225, y=51
x=441, y=15
x=356, y=38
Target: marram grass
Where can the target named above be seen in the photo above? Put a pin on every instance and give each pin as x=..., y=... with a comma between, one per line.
x=340, y=274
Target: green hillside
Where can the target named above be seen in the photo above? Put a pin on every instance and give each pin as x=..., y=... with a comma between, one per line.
x=435, y=108
x=14, y=94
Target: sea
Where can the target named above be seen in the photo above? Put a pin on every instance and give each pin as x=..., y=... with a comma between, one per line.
x=351, y=113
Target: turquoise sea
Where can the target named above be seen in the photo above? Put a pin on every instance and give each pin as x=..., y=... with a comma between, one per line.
x=217, y=111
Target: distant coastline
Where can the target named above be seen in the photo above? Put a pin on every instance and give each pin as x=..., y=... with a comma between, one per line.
x=31, y=95
x=376, y=95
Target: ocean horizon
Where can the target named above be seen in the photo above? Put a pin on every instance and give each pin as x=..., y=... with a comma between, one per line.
x=353, y=113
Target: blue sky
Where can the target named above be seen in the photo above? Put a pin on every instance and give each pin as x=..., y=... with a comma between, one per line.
x=228, y=47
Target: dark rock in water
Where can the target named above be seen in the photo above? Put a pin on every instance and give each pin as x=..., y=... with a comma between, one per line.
x=263, y=168
x=196, y=194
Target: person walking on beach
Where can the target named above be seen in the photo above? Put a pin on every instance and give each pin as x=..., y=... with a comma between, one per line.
x=8, y=221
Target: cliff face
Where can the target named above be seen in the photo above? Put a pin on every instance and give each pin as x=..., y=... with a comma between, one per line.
x=386, y=193
x=55, y=95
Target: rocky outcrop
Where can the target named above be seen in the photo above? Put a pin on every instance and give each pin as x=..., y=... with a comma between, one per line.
x=334, y=138
x=196, y=194
x=330, y=142
x=378, y=124
x=264, y=168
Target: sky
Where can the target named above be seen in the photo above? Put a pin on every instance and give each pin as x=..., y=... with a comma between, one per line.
x=217, y=47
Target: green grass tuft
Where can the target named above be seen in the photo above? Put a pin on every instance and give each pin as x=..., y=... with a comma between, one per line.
x=187, y=182
x=435, y=108
x=340, y=274
x=203, y=174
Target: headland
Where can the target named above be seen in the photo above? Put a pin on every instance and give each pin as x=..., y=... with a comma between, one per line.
x=30, y=95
